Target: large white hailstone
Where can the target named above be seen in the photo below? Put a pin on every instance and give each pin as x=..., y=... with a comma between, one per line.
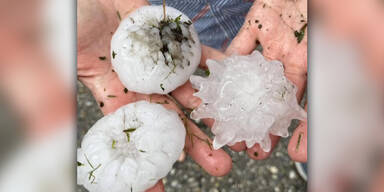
x=153, y=55
x=130, y=149
x=249, y=98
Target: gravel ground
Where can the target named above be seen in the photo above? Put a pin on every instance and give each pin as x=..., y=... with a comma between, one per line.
x=276, y=173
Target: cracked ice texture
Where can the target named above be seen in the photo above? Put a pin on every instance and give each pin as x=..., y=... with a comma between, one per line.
x=249, y=98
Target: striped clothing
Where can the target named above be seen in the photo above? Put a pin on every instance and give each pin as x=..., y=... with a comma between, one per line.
x=216, y=21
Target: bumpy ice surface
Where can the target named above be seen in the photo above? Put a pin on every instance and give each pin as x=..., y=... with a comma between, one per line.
x=249, y=97
x=151, y=55
x=130, y=149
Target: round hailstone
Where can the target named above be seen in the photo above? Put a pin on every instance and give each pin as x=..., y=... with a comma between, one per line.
x=130, y=149
x=249, y=98
x=153, y=55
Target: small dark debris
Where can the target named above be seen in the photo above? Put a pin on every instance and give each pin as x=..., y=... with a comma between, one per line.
x=207, y=72
x=300, y=34
x=164, y=49
x=118, y=15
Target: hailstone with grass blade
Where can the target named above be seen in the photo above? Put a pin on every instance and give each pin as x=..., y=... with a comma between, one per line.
x=249, y=97
x=151, y=54
x=130, y=149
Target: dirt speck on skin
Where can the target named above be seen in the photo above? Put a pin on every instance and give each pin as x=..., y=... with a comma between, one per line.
x=247, y=175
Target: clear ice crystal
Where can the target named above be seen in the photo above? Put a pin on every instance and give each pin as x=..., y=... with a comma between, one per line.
x=249, y=98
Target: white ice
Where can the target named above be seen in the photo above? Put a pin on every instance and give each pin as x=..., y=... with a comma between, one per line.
x=249, y=98
x=137, y=57
x=110, y=160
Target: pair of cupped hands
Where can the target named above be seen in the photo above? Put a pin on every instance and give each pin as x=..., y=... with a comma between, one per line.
x=98, y=20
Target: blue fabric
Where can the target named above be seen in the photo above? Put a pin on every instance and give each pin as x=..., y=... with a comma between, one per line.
x=220, y=19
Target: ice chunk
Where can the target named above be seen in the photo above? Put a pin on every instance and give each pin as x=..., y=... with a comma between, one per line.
x=130, y=149
x=153, y=55
x=249, y=98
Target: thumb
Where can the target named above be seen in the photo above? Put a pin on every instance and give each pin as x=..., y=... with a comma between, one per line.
x=245, y=41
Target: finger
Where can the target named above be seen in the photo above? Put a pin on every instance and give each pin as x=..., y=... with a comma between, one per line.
x=124, y=8
x=239, y=146
x=244, y=42
x=184, y=95
x=257, y=153
x=182, y=157
x=299, y=80
x=197, y=144
x=210, y=53
x=159, y=187
x=215, y=162
x=297, y=147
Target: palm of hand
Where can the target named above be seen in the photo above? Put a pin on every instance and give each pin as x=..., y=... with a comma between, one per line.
x=280, y=29
x=97, y=20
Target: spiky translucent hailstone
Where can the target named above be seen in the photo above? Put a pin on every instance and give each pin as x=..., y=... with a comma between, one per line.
x=153, y=55
x=130, y=149
x=249, y=98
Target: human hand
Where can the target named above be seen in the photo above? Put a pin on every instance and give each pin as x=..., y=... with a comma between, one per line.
x=97, y=20
x=280, y=28
x=273, y=26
